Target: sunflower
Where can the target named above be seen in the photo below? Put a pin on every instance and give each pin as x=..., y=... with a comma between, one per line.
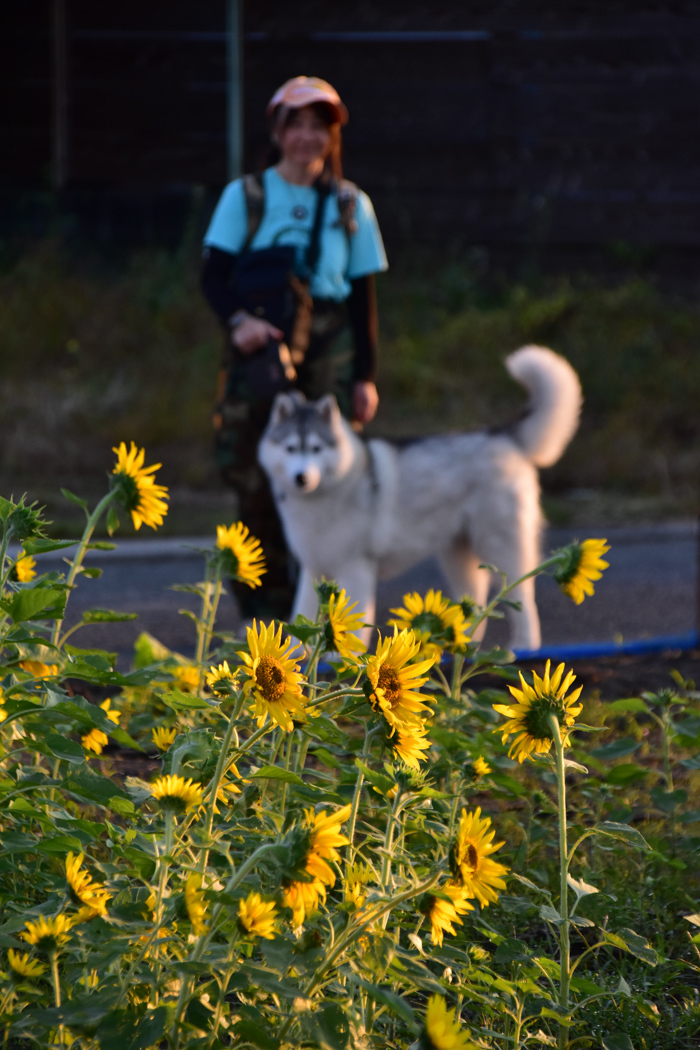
x=194, y=902
x=37, y=669
x=95, y=741
x=3, y=710
x=136, y=488
x=23, y=966
x=24, y=568
x=187, y=677
x=112, y=713
x=442, y=1029
x=395, y=680
x=409, y=745
x=48, y=934
x=257, y=917
x=273, y=679
x=243, y=554
x=83, y=889
x=481, y=767
x=164, y=736
x=470, y=860
x=355, y=884
x=222, y=679
x=324, y=838
x=443, y=911
x=438, y=622
x=340, y=626
x=529, y=718
x=226, y=788
x=581, y=564
x=175, y=794
x=302, y=898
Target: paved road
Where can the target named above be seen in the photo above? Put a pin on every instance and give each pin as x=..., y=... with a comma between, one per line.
x=650, y=589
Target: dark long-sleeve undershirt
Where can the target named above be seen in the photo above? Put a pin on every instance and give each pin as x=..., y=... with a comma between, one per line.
x=361, y=305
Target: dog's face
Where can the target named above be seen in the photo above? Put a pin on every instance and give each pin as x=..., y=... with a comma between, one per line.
x=305, y=445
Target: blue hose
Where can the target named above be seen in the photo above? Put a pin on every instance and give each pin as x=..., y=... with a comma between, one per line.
x=689, y=640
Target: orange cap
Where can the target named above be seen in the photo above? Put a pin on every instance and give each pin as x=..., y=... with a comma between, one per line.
x=303, y=91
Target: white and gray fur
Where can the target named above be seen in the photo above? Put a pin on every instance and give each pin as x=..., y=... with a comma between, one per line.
x=354, y=511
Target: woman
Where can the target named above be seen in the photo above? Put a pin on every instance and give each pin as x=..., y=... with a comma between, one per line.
x=306, y=115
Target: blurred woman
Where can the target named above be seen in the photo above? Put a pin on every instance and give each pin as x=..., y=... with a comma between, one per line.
x=300, y=201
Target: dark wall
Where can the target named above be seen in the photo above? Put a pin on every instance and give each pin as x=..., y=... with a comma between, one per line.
x=571, y=125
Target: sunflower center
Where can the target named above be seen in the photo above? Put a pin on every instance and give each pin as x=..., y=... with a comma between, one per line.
x=270, y=676
x=471, y=857
x=390, y=682
x=428, y=621
x=537, y=718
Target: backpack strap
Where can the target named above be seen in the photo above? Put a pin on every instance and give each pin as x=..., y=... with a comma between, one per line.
x=255, y=205
x=347, y=205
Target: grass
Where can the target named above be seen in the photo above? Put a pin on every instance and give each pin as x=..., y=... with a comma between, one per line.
x=94, y=350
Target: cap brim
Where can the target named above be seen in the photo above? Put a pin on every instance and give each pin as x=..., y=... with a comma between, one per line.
x=307, y=97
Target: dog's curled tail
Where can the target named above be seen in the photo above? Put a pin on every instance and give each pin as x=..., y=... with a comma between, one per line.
x=555, y=403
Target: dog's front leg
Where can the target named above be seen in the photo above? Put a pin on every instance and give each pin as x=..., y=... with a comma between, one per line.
x=305, y=599
x=359, y=578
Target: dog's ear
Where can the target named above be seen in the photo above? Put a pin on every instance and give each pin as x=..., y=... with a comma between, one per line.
x=283, y=408
x=327, y=408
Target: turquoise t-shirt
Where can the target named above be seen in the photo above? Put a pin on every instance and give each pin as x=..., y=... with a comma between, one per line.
x=287, y=219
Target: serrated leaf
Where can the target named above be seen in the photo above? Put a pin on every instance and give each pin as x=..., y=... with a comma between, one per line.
x=633, y=703
x=180, y=701
x=40, y=545
x=92, y=573
x=550, y=914
x=378, y=780
x=72, y=498
x=65, y=748
x=633, y=943
x=530, y=885
x=581, y=888
x=620, y=748
x=112, y=521
x=563, y=1019
x=668, y=800
x=623, y=832
x=275, y=773
x=42, y=603
x=626, y=774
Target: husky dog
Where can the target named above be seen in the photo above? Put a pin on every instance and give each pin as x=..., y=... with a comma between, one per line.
x=357, y=510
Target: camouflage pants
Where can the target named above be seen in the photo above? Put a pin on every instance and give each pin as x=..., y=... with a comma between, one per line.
x=239, y=421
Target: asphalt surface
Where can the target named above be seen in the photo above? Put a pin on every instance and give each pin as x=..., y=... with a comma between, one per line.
x=650, y=589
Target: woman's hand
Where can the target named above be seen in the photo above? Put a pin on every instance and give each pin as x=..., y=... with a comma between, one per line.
x=252, y=333
x=364, y=401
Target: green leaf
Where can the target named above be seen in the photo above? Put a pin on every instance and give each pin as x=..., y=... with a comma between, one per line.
x=303, y=629
x=39, y=545
x=330, y=1027
x=691, y=763
x=86, y=785
x=112, y=521
x=43, y=603
x=92, y=573
x=633, y=943
x=378, y=780
x=180, y=701
x=253, y=1032
x=107, y=616
x=581, y=888
x=123, y=806
x=530, y=885
x=668, y=800
x=632, y=703
x=72, y=498
x=65, y=748
x=570, y=764
x=395, y=1003
x=59, y=844
x=101, y=545
x=616, y=749
x=617, y=1041
x=563, y=1019
x=626, y=774
x=623, y=832
x=550, y=914
x=275, y=773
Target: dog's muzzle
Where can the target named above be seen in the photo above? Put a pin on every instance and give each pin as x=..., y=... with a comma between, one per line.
x=301, y=480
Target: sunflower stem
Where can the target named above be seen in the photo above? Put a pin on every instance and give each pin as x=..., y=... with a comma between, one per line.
x=457, y=664
x=56, y=991
x=564, y=929
x=203, y=616
x=77, y=562
x=356, y=796
x=211, y=618
x=216, y=780
x=508, y=588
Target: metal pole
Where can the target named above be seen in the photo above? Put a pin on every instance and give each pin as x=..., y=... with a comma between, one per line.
x=59, y=143
x=234, y=88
